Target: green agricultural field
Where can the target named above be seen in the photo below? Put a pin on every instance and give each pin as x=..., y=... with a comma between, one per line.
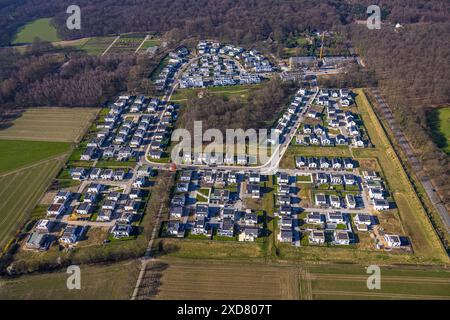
x=439, y=122
x=20, y=190
x=34, y=148
x=96, y=46
x=41, y=28
x=16, y=154
x=49, y=124
x=150, y=43
x=208, y=249
x=127, y=44
x=115, y=281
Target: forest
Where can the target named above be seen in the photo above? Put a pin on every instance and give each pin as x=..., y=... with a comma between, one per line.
x=44, y=75
x=233, y=20
x=411, y=68
x=260, y=109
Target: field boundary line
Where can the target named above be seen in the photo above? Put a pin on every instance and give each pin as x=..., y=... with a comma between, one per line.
x=381, y=295
x=109, y=47
x=142, y=43
x=34, y=164
x=388, y=278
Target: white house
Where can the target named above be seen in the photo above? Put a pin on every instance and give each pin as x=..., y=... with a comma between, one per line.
x=335, y=217
x=314, y=218
x=341, y=237
x=317, y=237
x=122, y=231
x=381, y=204
x=392, y=240
x=350, y=201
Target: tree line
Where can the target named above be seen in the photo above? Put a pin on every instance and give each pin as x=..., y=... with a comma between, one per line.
x=44, y=75
x=258, y=110
x=233, y=20
x=411, y=67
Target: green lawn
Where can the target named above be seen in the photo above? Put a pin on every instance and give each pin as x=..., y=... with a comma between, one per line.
x=96, y=46
x=439, y=123
x=41, y=28
x=16, y=153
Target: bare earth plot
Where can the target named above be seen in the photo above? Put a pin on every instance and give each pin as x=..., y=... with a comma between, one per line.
x=226, y=280
x=174, y=278
x=50, y=124
x=97, y=282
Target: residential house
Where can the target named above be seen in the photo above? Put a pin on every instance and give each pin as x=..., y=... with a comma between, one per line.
x=335, y=217
x=350, y=201
x=285, y=235
x=335, y=201
x=283, y=178
x=335, y=179
x=249, y=234
x=317, y=237
x=38, y=241
x=71, y=234
x=320, y=199
x=381, y=204
x=254, y=177
x=122, y=231
x=105, y=215
x=392, y=240
x=55, y=210
x=314, y=218
x=183, y=187
x=176, y=212
x=300, y=162
x=376, y=193
x=201, y=211
x=341, y=237
x=324, y=163
x=349, y=179
x=321, y=178
x=254, y=190
x=44, y=225
x=84, y=208
x=250, y=219
x=285, y=210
